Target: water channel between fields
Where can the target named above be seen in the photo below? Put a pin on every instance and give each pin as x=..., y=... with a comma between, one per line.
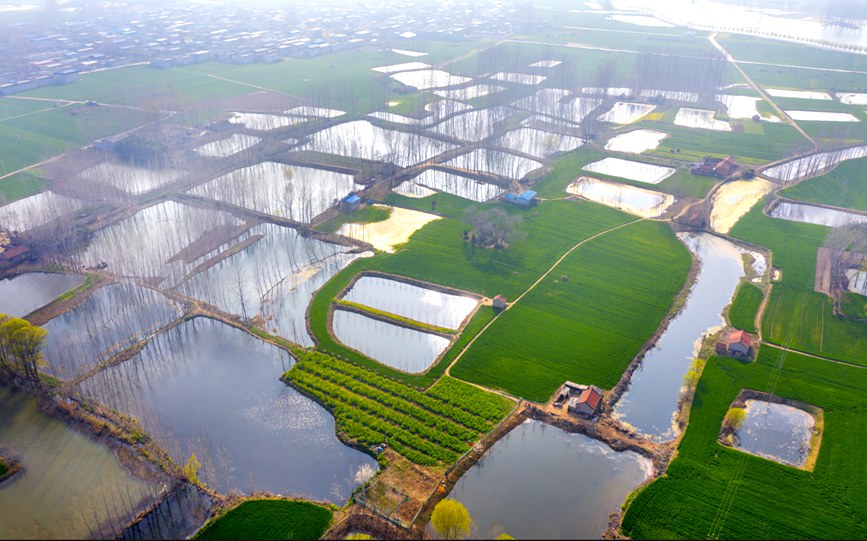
x=651, y=401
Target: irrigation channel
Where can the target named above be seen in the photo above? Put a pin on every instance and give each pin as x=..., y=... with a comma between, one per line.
x=651, y=401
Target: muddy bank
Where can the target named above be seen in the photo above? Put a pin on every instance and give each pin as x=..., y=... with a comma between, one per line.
x=13, y=464
x=361, y=521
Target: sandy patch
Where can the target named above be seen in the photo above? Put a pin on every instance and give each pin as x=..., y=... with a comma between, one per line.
x=733, y=200
x=388, y=234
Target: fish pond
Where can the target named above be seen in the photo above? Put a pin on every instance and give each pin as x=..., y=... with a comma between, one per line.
x=458, y=185
x=399, y=347
x=778, y=432
x=36, y=210
x=636, y=141
x=412, y=301
x=214, y=390
x=70, y=485
x=24, y=293
x=637, y=171
x=811, y=214
x=626, y=113
x=631, y=199
x=540, y=482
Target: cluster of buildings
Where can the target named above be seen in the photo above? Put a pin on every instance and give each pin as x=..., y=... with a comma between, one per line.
x=53, y=45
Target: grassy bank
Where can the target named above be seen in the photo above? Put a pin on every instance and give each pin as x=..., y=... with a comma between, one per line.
x=269, y=519
x=742, y=313
x=711, y=490
x=845, y=186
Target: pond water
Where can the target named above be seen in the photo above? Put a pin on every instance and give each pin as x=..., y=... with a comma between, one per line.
x=409, y=188
x=641, y=20
x=814, y=164
x=638, y=171
x=559, y=103
x=538, y=143
x=130, y=179
x=700, y=118
x=415, y=302
x=776, y=431
x=408, y=53
x=540, y=482
x=650, y=403
x=798, y=94
x=473, y=125
x=238, y=142
x=458, y=185
x=626, y=113
x=546, y=64
x=361, y=139
x=734, y=199
x=493, y=161
x=24, y=293
x=638, y=201
x=398, y=347
x=852, y=98
x=286, y=191
x=164, y=240
x=178, y=516
x=675, y=95
x=110, y=319
x=822, y=116
x=67, y=479
x=400, y=119
x=274, y=277
x=739, y=106
x=857, y=281
x=520, y=78
x=468, y=93
x=636, y=141
x=259, y=434
x=316, y=112
x=388, y=234
x=710, y=14
x=430, y=78
x=263, y=121
x=615, y=92
x=407, y=66
x=810, y=214
x=36, y=210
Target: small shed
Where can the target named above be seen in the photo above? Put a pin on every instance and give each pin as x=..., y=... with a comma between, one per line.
x=524, y=199
x=738, y=344
x=499, y=302
x=586, y=404
x=350, y=203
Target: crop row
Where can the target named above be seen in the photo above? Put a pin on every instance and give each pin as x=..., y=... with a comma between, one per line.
x=371, y=422
x=399, y=404
x=465, y=404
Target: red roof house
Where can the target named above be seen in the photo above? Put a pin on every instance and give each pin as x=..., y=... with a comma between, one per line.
x=588, y=402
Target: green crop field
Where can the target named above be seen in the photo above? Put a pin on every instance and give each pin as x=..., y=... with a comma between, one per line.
x=756, y=49
x=437, y=254
x=854, y=305
x=796, y=316
x=712, y=491
x=587, y=320
x=742, y=313
x=845, y=186
x=20, y=185
x=269, y=519
x=430, y=428
x=804, y=78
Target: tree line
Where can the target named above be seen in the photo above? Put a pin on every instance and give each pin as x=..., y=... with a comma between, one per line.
x=20, y=349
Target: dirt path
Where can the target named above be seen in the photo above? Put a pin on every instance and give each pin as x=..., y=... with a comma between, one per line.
x=780, y=112
x=529, y=289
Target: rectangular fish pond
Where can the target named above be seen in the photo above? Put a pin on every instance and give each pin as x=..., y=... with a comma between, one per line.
x=628, y=169
x=412, y=301
x=214, y=390
x=812, y=214
x=399, y=347
x=24, y=293
x=778, y=432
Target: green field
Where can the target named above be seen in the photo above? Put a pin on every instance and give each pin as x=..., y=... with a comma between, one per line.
x=436, y=253
x=432, y=428
x=712, y=491
x=742, y=314
x=804, y=78
x=845, y=186
x=796, y=316
x=269, y=519
x=21, y=185
x=756, y=49
x=587, y=320
x=854, y=305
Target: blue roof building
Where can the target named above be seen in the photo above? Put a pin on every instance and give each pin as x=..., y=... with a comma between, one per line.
x=525, y=199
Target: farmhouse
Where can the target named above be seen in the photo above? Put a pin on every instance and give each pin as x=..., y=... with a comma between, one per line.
x=350, y=203
x=737, y=344
x=525, y=199
x=499, y=302
x=586, y=404
x=715, y=167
